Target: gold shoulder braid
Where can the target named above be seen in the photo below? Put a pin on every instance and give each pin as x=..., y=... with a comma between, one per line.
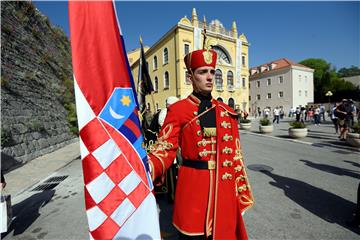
x=209, y=132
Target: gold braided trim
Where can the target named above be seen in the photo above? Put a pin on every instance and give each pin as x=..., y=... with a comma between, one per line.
x=152, y=170
x=209, y=132
x=159, y=148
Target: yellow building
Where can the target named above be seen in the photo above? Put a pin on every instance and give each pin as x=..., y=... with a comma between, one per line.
x=167, y=68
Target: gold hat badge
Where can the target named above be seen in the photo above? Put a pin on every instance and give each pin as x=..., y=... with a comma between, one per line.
x=207, y=45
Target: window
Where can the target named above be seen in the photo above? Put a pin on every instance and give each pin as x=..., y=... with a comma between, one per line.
x=281, y=94
x=155, y=65
x=186, y=49
x=269, y=96
x=166, y=56
x=187, y=81
x=157, y=106
x=305, y=93
x=281, y=79
x=249, y=98
x=218, y=79
x=305, y=79
x=222, y=55
x=270, y=67
x=230, y=78
x=268, y=82
x=166, y=80
x=258, y=84
x=299, y=93
x=258, y=97
x=156, y=84
x=244, y=82
x=243, y=60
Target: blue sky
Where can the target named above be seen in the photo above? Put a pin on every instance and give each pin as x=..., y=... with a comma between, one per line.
x=295, y=30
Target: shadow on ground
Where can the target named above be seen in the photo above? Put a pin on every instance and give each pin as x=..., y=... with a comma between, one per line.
x=324, y=204
x=26, y=212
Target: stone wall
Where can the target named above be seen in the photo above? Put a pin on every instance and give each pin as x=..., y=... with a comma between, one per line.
x=36, y=85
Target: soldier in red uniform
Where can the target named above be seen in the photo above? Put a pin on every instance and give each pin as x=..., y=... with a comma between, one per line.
x=212, y=191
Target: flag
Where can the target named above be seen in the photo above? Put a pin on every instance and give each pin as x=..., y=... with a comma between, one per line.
x=118, y=198
x=145, y=86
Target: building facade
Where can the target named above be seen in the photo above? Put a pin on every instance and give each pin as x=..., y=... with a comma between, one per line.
x=281, y=83
x=168, y=71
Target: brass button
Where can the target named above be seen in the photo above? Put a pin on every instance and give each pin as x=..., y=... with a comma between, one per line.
x=198, y=133
x=195, y=113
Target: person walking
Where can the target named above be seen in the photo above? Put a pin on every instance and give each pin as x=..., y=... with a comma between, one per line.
x=212, y=189
x=276, y=113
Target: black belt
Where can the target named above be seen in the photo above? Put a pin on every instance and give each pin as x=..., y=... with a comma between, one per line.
x=210, y=165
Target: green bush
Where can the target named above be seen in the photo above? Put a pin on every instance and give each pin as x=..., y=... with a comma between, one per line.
x=356, y=128
x=265, y=122
x=297, y=125
x=245, y=120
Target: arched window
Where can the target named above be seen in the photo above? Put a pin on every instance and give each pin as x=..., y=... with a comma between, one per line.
x=166, y=56
x=218, y=79
x=156, y=84
x=230, y=78
x=231, y=103
x=166, y=80
x=155, y=65
x=220, y=99
x=222, y=55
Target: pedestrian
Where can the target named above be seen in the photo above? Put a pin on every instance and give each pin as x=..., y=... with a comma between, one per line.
x=266, y=112
x=297, y=114
x=206, y=205
x=344, y=112
x=317, y=113
x=334, y=118
x=276, y=113
x=322, y=112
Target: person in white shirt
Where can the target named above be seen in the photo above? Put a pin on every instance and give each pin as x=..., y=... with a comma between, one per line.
x=276, y=113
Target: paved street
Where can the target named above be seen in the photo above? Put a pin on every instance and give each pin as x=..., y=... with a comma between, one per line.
x=307, y=192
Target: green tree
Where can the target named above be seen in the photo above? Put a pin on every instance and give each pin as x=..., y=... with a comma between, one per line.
x=327, y=79
x=349, y=72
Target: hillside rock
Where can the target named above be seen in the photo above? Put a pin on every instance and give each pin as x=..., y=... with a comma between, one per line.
x=36, y=85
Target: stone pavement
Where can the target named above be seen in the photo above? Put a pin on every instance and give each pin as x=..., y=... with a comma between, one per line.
x=40, y=168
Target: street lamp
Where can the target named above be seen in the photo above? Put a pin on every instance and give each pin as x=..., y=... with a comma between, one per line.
x=329, y=94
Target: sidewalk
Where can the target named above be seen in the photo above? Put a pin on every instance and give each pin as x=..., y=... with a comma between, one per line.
x=319, y=136
x=39, y=168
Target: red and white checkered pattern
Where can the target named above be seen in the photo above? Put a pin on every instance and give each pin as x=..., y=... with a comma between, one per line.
x=113, y=189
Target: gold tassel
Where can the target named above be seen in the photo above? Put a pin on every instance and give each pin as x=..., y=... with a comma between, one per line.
x=209, y=132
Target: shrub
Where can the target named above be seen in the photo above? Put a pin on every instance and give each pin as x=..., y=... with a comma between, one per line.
x=297, y=125
x=245, y=120
x=356, y=128
x=265, y=122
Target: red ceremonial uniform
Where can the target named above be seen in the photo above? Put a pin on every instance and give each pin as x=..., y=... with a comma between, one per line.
x=212, y=188
x=207, y=201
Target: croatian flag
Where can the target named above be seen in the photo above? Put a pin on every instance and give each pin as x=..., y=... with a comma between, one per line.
x=118, y=198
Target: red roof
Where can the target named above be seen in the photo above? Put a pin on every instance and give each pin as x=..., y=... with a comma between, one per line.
x=281, y=63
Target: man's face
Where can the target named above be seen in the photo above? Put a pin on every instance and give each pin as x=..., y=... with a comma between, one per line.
x=203, y=80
